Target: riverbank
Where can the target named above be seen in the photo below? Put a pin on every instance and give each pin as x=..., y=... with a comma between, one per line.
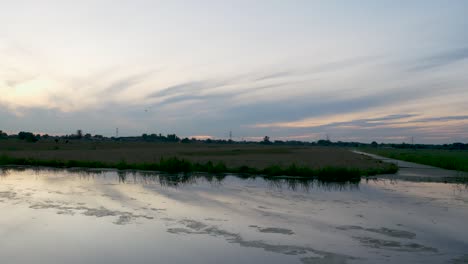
x=176, y=165
x=328, y=163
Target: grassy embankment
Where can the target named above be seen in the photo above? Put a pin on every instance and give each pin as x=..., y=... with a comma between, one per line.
x=446, y=159
x=176, y=165
x=327, y=164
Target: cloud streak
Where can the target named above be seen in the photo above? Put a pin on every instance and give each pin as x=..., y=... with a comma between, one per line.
x=441, y=59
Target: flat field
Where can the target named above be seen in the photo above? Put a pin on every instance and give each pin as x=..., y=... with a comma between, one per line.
x=232, y=155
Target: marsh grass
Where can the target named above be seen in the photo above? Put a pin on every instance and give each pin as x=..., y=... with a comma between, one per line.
x=177, y=165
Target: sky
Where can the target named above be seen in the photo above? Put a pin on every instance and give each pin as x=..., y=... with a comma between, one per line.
x=361, y=71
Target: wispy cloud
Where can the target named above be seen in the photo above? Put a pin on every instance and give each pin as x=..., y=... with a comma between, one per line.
x=275, y=75
x=440, y=59
x=188, y=87
x=125, y=83
x=192, y=97
x=337, y=120
x=443, y=118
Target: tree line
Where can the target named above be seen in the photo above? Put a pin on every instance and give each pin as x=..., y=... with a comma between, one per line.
x=79, y=135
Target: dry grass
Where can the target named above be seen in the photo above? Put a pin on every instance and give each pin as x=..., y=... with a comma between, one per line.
x=235, y=155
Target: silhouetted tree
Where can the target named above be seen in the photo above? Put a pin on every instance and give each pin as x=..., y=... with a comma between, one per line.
x=27, y=136
x=79, y=134
x=324, y=142
x=172, y=138
x=266, y=140
x=3, y=134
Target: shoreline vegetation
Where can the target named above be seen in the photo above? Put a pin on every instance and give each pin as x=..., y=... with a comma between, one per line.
x=322, y=160
x=180, y=165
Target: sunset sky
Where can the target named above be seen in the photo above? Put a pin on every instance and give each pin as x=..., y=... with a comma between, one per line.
x=355, y=70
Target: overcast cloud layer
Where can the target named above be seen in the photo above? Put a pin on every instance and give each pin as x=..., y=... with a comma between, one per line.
x=361, y=71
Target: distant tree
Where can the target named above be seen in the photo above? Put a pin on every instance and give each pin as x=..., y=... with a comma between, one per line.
x=185, y=140
x=87, y=136
x=3, y=134
x=459, y=145
x=79, y=134
x=172, y=138
x=27, y=136
x=324, y=142
x=266, y=140
x=22, y=135
x=374, y=144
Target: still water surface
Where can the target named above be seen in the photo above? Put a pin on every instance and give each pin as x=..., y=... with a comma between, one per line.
x=66, y=216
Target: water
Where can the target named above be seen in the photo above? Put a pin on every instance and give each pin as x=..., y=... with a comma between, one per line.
x=58, y=216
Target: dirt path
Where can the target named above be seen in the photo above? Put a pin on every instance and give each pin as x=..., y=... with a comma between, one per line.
x=419, y=172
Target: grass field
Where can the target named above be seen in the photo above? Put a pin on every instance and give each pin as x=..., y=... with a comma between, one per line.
x=320, y=162
x=447, y=159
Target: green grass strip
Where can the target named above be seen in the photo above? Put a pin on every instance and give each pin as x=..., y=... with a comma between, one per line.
x=446, y=159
